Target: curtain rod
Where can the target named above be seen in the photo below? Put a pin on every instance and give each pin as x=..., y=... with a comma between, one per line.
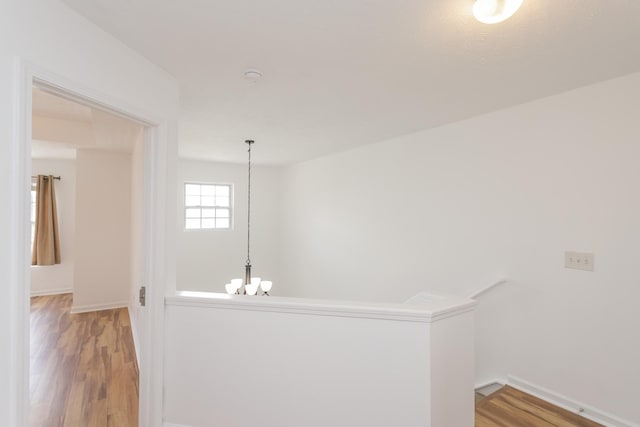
x=46, y=177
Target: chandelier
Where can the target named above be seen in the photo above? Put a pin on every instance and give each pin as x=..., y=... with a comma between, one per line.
x=250, y=285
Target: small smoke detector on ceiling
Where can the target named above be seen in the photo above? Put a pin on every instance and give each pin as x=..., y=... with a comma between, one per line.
x=252, y=75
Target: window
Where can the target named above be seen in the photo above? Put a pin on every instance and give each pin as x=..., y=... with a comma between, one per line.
x=207, y=206
x=34, y=185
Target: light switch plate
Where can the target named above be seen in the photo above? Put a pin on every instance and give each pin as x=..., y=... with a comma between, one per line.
x=579, y=260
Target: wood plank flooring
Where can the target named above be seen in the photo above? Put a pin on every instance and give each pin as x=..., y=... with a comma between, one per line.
x=83, y=366
x=509, y=407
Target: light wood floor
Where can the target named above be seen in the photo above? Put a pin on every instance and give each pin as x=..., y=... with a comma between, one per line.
x=509, y=407
x=83, y=366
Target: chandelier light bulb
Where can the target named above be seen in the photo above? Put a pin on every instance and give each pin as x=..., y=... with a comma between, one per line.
x=266, y=285
x=251, y=289
x=230, y=288
x=494, y=11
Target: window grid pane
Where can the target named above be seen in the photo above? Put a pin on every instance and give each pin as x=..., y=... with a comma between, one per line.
x=208, y=213
x=192, y=189
x=207, y=201
x=193, y=212
x=208, y=223
x=192, y=201
x=192, y=224
x=207, y=206
x=208, y=190
x=222, y=191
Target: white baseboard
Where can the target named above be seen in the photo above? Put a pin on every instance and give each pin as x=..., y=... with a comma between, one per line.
x=569, y=404
x=484, y=384
x=51, y=292
x=98, y=307
x=134, y=334
x=174, y=425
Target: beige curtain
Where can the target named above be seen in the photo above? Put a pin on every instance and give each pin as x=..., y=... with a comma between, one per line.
x=46, y=241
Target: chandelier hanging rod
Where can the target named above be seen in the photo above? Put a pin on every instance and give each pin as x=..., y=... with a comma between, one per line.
x=247, y=273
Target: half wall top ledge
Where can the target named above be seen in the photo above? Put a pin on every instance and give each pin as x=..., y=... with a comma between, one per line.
x=424, y=307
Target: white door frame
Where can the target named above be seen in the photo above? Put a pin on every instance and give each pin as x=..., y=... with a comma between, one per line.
x=157, y=146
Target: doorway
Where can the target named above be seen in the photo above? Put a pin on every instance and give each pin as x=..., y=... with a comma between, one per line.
x=84, y=308
x=158, y=138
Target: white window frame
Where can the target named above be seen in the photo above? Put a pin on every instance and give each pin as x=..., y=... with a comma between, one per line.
x=215, y=207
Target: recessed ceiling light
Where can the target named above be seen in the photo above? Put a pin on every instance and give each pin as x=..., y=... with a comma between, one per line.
x=494, y=11
x=252, y=75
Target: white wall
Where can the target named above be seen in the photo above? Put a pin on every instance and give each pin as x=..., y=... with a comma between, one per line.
x=208, y=259
x=247, y=361
x=50, y=35
x=52, y=279
x=103, y=230
x=72, y=132
x=503, y=194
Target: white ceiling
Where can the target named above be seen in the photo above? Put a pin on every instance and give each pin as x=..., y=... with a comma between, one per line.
x=341, y=73
x=61, y=126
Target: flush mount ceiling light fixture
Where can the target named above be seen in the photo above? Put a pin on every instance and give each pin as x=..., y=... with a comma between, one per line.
x=494, y=11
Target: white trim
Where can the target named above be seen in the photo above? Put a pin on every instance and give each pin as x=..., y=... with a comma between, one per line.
x=19, y=274
x=426, y=313
x=134, y=333
x=51, y=292
x=158, y=277
x=174, y=425
x=484, y=384
x=161, y=136
x=569, y=404
x=481, y=291
x=489, y=389
x=98, y=307
x=73, y=91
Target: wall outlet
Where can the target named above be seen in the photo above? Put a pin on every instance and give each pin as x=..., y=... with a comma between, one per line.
x=579, y=260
